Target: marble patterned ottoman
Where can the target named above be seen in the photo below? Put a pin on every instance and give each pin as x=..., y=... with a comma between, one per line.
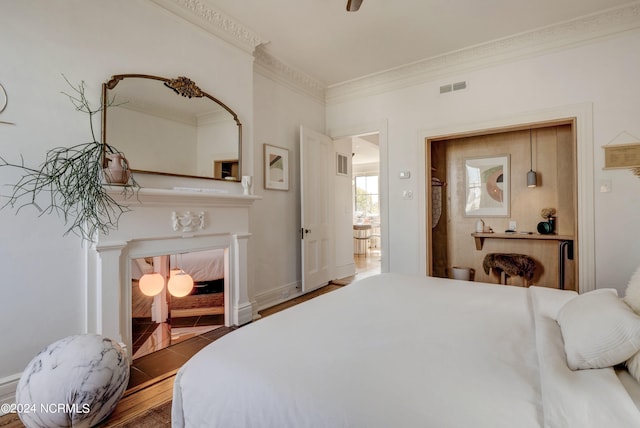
x=76, y=381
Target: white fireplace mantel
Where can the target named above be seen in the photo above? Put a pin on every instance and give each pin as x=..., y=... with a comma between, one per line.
x=166, y=221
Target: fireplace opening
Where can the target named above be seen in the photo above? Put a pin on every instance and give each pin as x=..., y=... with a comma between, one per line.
x=163, y=315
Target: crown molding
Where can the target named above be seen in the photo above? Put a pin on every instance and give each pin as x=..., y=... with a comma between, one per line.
x=564, y=35
x=272, y=68
x=568, y=34
x=203, y=15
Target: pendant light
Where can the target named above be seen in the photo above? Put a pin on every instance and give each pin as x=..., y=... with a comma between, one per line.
x=532, y=177
x=151, y=284
x=180, y=283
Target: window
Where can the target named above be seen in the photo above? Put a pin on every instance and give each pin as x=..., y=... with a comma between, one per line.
x=366, y=207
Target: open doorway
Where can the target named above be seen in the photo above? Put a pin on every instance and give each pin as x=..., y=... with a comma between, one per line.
x=365, y=194
x=456, y=210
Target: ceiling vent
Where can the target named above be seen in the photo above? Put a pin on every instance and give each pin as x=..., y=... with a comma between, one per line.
x=453, y=87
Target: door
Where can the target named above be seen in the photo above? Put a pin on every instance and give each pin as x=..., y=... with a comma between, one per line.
x=316, y=208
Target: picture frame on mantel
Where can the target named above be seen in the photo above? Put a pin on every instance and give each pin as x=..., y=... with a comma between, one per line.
x=276, y=168
x=487, y=187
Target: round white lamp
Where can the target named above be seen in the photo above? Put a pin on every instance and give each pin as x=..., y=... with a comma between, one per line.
x=151, y=284
x=180, y=283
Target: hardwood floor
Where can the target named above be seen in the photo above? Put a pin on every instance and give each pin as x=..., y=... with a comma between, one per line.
x=152, y=392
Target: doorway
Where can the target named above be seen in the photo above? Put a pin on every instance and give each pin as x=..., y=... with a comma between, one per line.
x=327, y=180
x=365, y=194
x=548, y=147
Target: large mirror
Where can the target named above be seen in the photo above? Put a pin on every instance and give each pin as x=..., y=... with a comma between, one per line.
x=171, y=127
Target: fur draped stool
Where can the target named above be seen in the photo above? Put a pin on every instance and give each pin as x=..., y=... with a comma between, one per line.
x=507, y=265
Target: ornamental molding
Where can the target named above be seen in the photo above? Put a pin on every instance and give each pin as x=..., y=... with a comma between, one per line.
x=272, y=68
x=187, y=221
x=202, y=14
x=556, y=37
x=565, y=35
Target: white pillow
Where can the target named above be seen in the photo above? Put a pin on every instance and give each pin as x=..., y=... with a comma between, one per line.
x=633, y=366
x=599, y=330
x=632, y=295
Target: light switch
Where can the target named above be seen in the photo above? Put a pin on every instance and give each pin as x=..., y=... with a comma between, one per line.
x=405, y=174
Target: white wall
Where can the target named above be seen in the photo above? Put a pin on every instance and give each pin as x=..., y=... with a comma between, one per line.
x=43, y=277
x=279, y=112
x=603, y=73
x=343, y=214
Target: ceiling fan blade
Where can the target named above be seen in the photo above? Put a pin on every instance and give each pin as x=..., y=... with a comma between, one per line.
x=353, y=5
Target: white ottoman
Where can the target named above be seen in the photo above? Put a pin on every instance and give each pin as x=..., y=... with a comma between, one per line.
x=76, y=381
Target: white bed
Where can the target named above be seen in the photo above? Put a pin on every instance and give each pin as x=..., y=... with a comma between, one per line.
x=402, y=351
x=207, y=265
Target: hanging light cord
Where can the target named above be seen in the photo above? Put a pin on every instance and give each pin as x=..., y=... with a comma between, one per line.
x=530, y=151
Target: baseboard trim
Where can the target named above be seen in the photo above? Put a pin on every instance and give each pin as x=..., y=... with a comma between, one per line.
x=8, y=387
x=278, y=295
x=345, y=270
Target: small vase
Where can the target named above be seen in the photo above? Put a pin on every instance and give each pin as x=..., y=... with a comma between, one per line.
x=117, y=170
x=246, y=184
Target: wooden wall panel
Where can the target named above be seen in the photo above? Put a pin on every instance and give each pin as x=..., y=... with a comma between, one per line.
x=554, y=162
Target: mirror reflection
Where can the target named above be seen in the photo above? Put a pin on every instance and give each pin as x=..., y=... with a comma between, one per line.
x=175, y=297
x=172, y=127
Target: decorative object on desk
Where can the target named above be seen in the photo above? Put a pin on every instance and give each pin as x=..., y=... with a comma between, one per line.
x=71, y=178
x=247, y=182
x=487, y=187
x=276, y=168
x=76, y=381
x=547, y=212
x=532, y=177
x=480, y=226
x=549, y=226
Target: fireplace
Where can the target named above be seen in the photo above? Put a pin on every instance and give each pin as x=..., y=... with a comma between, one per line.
x=164, y=221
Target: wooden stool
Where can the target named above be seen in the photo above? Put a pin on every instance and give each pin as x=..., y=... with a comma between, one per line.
x=510, y=265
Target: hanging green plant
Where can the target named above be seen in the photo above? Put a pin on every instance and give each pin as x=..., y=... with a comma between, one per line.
x=72, y=179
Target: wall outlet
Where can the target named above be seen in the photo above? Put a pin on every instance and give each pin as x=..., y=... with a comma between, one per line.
x=513, y=225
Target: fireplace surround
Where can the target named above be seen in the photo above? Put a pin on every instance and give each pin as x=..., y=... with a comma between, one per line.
x=167, y=221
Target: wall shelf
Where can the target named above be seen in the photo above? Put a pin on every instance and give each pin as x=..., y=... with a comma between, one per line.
x=480, y=237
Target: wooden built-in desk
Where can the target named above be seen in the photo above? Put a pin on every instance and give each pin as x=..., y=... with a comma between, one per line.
x=565, y=245
x=480, y=237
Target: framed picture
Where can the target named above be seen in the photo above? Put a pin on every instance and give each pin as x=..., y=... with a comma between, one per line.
x=487, y=187
x=276, y=168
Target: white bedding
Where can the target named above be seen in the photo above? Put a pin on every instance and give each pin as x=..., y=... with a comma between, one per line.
x=402, y=351
x=203, y=266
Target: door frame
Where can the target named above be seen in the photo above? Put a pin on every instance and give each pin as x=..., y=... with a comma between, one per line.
x=379, y=127
x=583, y=129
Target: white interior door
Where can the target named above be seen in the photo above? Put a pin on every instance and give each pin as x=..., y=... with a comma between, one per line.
x=316, y=202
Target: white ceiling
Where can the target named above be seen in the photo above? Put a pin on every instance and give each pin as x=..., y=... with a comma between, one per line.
x=323, y=40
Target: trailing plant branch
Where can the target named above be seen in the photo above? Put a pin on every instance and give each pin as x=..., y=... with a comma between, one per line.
x=71, y=180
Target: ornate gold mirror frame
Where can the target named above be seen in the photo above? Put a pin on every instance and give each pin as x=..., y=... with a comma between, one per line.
x=165, y=157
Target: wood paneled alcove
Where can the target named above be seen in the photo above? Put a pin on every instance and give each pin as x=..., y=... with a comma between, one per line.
x=553, y=157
